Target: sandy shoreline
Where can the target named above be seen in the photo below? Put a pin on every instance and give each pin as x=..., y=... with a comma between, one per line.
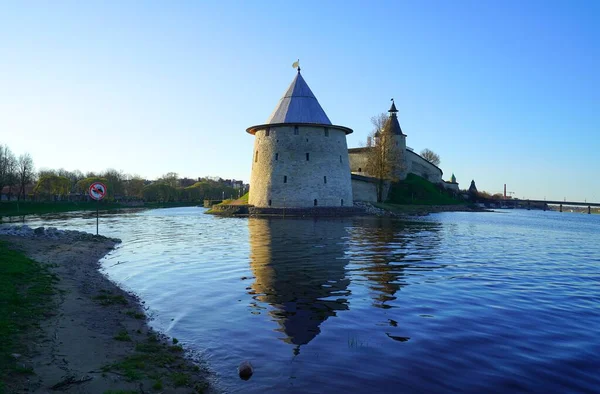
x=95, y=337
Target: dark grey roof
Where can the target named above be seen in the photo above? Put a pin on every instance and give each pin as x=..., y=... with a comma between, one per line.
x=392, y=124
x=298, y=105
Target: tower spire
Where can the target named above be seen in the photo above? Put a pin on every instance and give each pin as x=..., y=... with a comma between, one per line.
x=393, y=107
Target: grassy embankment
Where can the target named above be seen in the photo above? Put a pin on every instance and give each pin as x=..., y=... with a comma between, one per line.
x=416, y=195
x=14, y=208
x=239, y=202
x=25, y=296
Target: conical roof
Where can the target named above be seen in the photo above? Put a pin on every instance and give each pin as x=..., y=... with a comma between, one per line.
x=392, y=125
x=298, y=105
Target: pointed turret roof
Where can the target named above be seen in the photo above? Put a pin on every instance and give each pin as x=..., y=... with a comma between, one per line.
x=298, y=105
x=392, y=124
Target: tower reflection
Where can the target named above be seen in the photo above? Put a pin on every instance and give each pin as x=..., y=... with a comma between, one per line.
x=384, y=250
x=299, y=270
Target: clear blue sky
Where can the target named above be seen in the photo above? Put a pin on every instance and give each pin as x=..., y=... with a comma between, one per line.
x=505, y=92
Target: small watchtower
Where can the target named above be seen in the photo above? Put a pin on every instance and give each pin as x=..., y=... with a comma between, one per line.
x=392, y=126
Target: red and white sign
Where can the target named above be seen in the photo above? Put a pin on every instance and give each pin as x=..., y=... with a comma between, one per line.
x=97, y=190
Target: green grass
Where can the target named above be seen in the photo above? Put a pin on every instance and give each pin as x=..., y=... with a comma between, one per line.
x=419, y=191
x=14, y=208
x=109, y=299
x=180, y=379
x=135, y=315
x=148, y=355
x=160, y=363
x=123, y=336
x=240, y=201
x=157, y=385
x=25, y=294
x=355, y=343
x=244, y=198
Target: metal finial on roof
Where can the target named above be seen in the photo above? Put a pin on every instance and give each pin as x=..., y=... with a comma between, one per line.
x=296, y=64
x=393, y=107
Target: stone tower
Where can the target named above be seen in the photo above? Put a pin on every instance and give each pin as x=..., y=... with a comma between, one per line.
x=393, y=127
x=300, y=159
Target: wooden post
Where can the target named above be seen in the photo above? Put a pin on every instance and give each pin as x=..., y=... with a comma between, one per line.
x=589, y=209
x=560, y=207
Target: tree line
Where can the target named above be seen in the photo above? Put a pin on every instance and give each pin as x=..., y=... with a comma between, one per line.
x=19, y=180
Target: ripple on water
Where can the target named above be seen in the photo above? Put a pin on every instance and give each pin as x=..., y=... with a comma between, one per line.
x=454, y=302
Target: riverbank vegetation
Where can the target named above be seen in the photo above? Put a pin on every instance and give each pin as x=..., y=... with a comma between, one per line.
x=25, y=297
x=26, y=191
x=228, y=207
x=415, y=190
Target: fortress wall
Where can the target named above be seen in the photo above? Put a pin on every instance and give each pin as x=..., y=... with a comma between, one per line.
x=451, y=186
x=282, y=174
x=364, y=191
x=419, y=166
x=358, y=162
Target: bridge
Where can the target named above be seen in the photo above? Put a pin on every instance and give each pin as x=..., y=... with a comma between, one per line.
x=545, y=203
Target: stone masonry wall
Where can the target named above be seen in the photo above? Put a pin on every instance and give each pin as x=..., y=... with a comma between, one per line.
x=358, y=162
x=364, y=191
x=421, y=167
x=282, y=175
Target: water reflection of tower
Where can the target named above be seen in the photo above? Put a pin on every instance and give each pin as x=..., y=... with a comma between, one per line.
x=386, y=249
x=299, y=269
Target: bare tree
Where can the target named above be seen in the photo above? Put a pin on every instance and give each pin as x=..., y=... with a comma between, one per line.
x=7, y=168
x=431, y=156
x=24, y=172
x=378, y=121
x=12, y=176
x=383, y=159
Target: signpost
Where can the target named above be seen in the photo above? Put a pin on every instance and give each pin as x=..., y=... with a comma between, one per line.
x=97, y=192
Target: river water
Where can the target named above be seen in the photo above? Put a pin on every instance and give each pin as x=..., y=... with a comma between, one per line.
x=453, y=302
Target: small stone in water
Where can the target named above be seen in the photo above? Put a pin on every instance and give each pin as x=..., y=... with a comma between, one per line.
x=245, y=370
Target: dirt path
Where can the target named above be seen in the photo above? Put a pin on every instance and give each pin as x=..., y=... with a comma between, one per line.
x=95, y=338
